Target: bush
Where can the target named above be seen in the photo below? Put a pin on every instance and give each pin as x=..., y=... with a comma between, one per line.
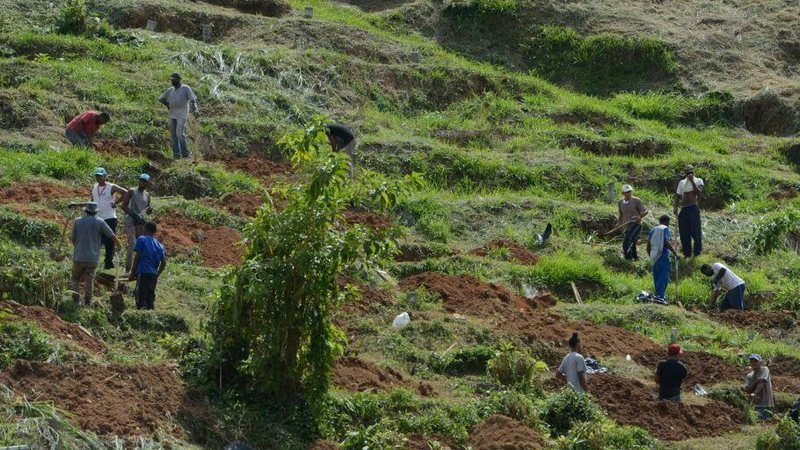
x=512, y=367
x=21, y=340
x=29, y=276
x=785, y=437
x=769, y=233
x=590, y=436
x=567, y=407
x=712, y=108
x=736, y=398
x=72, y=18
x=157, y=321
x=466, y=361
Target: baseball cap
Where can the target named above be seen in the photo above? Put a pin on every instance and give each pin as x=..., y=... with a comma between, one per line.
x=755, y=356
x=689, y=169
x=144, y=177
x=674, y=349
x=100, y=171
x=626, y=188
x=175, y=75
x=90, y=207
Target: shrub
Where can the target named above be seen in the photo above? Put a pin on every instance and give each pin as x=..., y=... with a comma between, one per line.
x=21, y=340
x=466, y=361
x=785, y=437
x=736, y=398
x=72, y=17
x=565, y=408
x=29, y=276
x=157, y=321
x=769, y=233
x=512, y=367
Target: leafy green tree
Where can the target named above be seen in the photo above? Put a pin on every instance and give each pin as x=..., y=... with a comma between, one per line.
x=272, y=324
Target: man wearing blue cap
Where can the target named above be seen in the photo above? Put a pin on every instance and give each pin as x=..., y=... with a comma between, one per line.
x=178, y=99
x=136, y=204
x=86, y=237
x=758, y=384
x=105, y=195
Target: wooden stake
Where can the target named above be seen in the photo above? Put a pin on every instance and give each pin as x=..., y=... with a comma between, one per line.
x=575, y=291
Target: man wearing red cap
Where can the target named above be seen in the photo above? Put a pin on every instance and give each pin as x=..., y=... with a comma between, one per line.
x=670, y=373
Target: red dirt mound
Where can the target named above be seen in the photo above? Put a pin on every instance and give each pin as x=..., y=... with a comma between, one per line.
x=704, y=368
x=38, y=191
x=504, y=433
x=516, y=252
x=180, y=235
x=38, y=212
x=631, y=402
x=108, y=400
x=258, y=167
x=367, y=218
x=117, y=148
x=358, y=375
x=243, y=204
x=471, y=297
x=50, y=322
x=760, y=320
x=784, y=365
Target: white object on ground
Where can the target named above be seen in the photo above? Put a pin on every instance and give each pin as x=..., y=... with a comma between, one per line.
x=401, y=320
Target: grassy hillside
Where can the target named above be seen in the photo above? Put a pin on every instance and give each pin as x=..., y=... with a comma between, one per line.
x=502, y=152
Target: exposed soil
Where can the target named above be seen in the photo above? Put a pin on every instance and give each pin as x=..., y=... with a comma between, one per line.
x=761, y=320
x=181, y=235
x=269, y=8
x=631, y=402
x=784, y=365
x=704, y=368
x=516, y=252
x=38, y=212
x=58, y=327
x=119, y=148
x=504, y=433
x=108, y=400
x=367, y=218
x=527, y=318
x=38, y=191
x=369, y=300
x=357, y=375
x=593, y=119
x=258, y=167
x=243, y=204
x=416, y=253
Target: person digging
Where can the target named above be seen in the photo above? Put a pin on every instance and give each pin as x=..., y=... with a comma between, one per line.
x=149, y=262
x=670, y=373
x=689, y=226
x=82, y=128
x=758, y=385
x=658, y=247
x=342, y=138
x=572, y=370
x=87, y=235
x=723, y=278
x=105, y=195
x=631, y=212
x=178, y=99
x=136, y=204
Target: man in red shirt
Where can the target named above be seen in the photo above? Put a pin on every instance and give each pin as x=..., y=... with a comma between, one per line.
x=82, y=127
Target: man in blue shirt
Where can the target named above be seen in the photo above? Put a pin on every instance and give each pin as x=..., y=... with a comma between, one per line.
x=148, y=263
x=658, y=246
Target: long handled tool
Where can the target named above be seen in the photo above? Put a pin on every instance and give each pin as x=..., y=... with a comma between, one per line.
x=677, y=282
x=619, y=226
x=116, y=299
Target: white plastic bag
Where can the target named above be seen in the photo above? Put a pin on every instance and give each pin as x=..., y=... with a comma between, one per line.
x=401, y=320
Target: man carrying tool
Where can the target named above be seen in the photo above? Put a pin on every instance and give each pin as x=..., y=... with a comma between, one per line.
x=658, y=247
x=150, y=261
x=104, y=194
x=670, y=373
x=342, y=138
x=758, y=384
x=178, y=99
x=86, y=237
x=573, y=367
x=689, y=227
x=723, y=278
x=136, y=203
x=81, y=129
x=631, y=212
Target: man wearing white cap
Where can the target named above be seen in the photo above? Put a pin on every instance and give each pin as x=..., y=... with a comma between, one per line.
x=104, y=194
x=758, y=384
x=86, y=237
x=631, y=212
x=136, y=204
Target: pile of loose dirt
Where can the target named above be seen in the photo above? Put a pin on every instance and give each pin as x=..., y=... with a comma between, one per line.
x=38, y=191
x=243, y=204
x=218, y=246
x=631, y=402
x=357, y=375
x=784, y=365
x=367, y=218
x=119, y=148
x=258, y=167
x=469, y=296
x=516, y=252
x=503, y=433
x=58, y=327
x=704, y=368
x=760, y=320
x=107, y=400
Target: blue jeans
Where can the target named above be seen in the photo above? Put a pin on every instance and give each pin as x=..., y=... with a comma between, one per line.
x=734, y=299
x=690, y=230
x=661, y=274
x=177, y=133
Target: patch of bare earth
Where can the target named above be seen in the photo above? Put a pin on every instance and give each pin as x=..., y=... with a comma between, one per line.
x=504, y=433
x=218, y=246
x=58, y=327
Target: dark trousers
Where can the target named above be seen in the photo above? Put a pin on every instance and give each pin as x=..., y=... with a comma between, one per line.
x=630, y=240
x=146, y=290
x=108, y=243
x=689, y=230
x=734, y=299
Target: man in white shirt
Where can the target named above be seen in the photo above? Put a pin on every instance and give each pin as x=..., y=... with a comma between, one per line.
x=689, y=229
x=105, y=195
x=723, y=278
x=178, y=99
x=573, y=367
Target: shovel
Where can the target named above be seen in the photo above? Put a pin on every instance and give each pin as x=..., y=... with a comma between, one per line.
x=57, y=254
x=117, y=301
